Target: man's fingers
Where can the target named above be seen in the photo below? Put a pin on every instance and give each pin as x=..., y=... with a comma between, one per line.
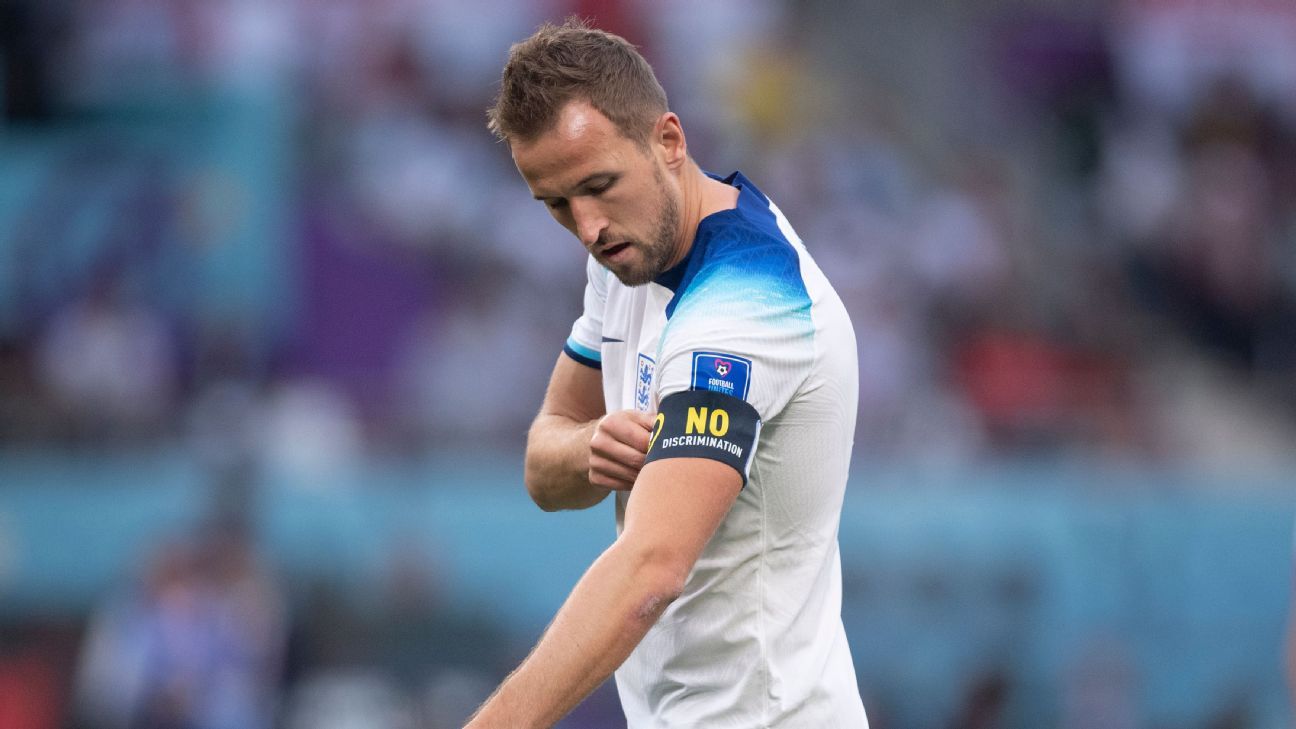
x=642, y=436
x=629, y=454
x=630, y=427
x=614, y=469
x=612, y=484
x=617, y=449
x=610, y=475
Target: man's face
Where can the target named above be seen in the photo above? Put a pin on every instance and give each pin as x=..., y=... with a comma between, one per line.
x=611, y=193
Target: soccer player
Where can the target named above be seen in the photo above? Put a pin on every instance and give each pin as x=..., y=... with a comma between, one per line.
x=711, y=385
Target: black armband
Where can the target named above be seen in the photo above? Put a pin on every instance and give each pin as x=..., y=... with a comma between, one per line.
x=703, y=424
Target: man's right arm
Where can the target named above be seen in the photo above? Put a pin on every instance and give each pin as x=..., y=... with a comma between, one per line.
x=576, y=454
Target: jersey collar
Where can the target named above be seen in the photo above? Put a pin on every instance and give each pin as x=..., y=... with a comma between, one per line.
x=675, y=277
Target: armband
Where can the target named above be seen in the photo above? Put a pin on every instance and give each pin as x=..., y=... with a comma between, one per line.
x=702, y=424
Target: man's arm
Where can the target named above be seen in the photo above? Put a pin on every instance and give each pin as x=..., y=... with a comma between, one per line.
x=675, y=507
x=575, y=454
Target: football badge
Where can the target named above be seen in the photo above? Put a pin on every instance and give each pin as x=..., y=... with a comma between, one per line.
x=720, y=372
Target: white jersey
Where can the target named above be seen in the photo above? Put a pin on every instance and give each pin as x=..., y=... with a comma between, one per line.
x=756, y=638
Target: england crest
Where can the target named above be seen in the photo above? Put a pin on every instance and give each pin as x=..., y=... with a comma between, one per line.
x=643, y=384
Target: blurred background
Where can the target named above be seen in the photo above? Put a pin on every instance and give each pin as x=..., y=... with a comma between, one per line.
x=275, y=312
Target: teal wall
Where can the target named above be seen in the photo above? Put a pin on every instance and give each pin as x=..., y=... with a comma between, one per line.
x=948, y=573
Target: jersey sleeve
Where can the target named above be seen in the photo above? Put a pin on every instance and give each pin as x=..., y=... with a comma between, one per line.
x=586, y=338
x=731, y=358
x=746, y=339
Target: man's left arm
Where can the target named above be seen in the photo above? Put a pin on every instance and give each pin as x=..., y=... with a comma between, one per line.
x=674, y=509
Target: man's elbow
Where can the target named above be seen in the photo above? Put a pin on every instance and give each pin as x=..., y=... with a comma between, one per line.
x=534, y=477
x=546, y=502
x=553, y=489
x=660, y=575
x=657, y=597
x=537, y=472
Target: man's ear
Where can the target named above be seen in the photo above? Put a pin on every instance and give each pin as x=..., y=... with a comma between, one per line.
x=668, y=137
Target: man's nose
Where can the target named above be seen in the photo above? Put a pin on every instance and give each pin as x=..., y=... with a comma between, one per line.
x=590, y=221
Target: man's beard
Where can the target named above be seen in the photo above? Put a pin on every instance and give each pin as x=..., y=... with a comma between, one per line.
x=658, y=252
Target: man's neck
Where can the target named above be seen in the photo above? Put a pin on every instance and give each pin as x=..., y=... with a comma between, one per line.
x=702, y=196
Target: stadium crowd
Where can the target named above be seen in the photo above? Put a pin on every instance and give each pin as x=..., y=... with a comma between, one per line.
x=1062, y=230
x=1073, y=264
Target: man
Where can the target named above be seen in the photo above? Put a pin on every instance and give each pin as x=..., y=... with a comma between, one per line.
x=710, y=384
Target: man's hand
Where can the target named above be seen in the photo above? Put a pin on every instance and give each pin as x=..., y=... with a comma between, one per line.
x=618, y=447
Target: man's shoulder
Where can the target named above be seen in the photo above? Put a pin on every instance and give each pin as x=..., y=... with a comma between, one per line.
x=738, y=235
x=749, y=241
x=746, y=264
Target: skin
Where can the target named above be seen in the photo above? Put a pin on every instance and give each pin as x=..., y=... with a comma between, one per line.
x=634, y=207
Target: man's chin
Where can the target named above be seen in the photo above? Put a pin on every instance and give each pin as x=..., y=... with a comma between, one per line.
x=632, y=276
x=629, y=273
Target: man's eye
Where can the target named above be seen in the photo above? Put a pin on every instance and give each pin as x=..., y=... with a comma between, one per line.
x=556, y=204
x=601, y=188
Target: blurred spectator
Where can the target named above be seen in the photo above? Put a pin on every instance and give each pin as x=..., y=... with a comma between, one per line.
x=1217, y=268
x=474, y=370
x=224, y=424
x=311, y=436
x=197, y=644
x=1168, y=51
x=109, y=366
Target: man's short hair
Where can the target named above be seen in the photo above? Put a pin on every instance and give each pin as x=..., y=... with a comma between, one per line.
x=574, y=62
